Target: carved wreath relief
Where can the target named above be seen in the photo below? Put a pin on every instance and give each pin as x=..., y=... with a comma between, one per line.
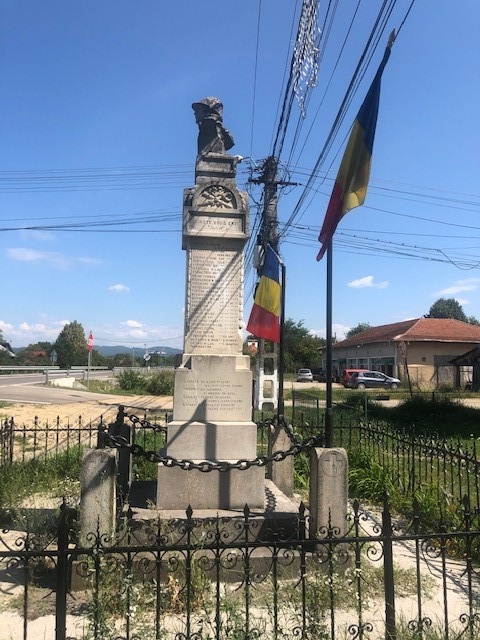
x=216, y=197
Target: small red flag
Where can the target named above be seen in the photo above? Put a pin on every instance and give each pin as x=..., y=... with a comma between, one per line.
x=90, y=341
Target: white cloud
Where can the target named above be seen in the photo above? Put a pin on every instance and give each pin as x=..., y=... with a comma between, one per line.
x=27, y=333
x=338, y=331
x=5, y=326
x=368, y=282
x=88, y=261
x=37, y=235
x=470, y=284
x=53, y=258
x=134, y=324
x=138, y=334
x=119, y=288
x=32, y=328
x=126, y=333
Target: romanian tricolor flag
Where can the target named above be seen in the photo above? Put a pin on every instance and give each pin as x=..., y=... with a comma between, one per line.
x=351, y=184
x=264, y=321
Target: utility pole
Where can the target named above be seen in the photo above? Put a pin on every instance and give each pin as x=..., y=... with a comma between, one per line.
x=269, y=387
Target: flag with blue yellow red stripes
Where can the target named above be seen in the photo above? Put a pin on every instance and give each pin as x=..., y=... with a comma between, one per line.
x=264, y=320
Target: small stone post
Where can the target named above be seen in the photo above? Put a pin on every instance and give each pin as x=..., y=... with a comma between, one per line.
x=98, y=495
x=328, y=491
x=281, y=473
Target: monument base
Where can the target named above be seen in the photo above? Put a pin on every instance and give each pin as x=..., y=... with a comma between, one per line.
x=211, y=440
x=177, y=489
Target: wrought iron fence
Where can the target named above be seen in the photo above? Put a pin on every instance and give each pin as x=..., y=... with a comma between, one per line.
x=37, y=440
x=449, y=470
x=26, y=442
x=243, y=578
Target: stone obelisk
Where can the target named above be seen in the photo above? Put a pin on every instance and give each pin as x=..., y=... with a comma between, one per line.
x=213, y=385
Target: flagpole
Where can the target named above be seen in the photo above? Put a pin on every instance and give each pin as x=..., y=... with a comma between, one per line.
x=329, y=363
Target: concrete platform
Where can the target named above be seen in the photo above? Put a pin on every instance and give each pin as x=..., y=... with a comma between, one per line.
x=279, y=520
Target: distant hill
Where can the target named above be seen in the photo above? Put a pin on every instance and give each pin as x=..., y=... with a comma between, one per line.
x=112, y=351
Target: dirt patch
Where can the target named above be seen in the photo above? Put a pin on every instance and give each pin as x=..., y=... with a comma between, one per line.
x=105, y=406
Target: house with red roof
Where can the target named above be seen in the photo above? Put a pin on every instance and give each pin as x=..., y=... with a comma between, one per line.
x=426, y=346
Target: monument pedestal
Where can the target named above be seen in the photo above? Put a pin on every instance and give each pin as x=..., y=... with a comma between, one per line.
x=212, y=397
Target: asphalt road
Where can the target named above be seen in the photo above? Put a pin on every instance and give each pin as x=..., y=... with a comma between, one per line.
x=30, y=387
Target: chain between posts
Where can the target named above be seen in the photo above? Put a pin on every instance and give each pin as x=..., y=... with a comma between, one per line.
x=205, y=466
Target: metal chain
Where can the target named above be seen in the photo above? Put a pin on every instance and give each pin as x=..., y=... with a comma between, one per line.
x=120, y=442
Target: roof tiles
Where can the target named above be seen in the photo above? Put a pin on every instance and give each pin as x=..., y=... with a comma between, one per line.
x=417, y=330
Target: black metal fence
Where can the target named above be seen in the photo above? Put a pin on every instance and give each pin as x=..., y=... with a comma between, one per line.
x=21, y=442
x=25, y=442
x=448, y=470
x=252, y=577
x=242, y=579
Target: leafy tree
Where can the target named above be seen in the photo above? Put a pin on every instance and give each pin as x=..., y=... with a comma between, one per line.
x=447, y=308
x=71, y=345
x=450, y=308
x=361, y=326
x=36, y=354
x=302, y=348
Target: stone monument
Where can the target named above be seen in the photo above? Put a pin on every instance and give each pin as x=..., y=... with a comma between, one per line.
x=212, y=407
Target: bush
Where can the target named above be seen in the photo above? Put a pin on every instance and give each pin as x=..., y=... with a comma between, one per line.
x=160, y=384
x=130, y=380
x=369, y=480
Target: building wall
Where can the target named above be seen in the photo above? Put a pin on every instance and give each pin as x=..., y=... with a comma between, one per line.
x=428, y=362
x=376, y=356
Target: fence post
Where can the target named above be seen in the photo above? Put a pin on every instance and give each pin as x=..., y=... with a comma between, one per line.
x=101, y=434
x=122, y=430
x=387, y=533
x=62, y=581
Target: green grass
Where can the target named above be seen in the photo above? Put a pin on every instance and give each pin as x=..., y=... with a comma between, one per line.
x=54, y=476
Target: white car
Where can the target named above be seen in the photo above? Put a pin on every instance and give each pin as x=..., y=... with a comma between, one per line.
x=304, y=375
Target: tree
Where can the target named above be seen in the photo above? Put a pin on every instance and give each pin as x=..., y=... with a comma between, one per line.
x=302, y=348
x=361, y=326
x=35, y=354
x=447, y=308
x=71, y=345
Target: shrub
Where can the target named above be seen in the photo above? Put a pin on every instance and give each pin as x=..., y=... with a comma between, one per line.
x=369, y=480
x=130, y=380
x=160, y=383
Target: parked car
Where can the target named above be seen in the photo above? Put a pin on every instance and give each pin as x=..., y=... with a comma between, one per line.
x=304, y=375
x=372, y=379
x=320, y=375
x=347, y=374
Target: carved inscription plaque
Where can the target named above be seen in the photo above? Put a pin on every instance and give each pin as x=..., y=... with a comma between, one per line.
x=212, y=399
x=212, y=224
x=214, y=300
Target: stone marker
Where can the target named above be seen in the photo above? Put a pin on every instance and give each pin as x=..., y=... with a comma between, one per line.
x=213, y=385
x=328, y=491
x=98, y=495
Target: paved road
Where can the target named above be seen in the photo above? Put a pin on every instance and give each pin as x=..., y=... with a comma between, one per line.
x=30, y=387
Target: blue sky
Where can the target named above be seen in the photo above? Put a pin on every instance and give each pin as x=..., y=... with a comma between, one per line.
x=99, y=141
